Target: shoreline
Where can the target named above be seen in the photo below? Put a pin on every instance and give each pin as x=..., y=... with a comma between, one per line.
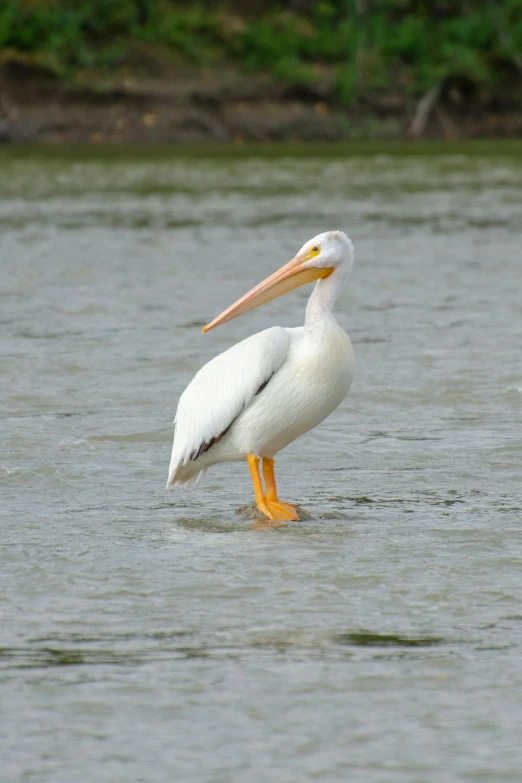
x=225, y=106
x=474, y=148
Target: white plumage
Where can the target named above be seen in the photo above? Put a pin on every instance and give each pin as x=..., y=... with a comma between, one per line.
x=262, y=393
x=215, y=398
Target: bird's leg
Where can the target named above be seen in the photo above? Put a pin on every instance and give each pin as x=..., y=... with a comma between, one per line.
x=271, y=490
x=273, y=510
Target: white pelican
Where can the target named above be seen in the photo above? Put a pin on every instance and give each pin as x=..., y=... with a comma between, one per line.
x=258, y=396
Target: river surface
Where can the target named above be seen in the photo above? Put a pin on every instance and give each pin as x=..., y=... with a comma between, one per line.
x=157, y=636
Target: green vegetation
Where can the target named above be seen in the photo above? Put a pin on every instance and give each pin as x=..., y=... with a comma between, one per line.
x=350, y=49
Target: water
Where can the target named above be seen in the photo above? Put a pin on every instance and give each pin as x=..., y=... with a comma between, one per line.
x=154, y=636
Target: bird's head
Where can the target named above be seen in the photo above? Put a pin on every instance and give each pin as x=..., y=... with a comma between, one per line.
x=318, y=258
x=330, y=250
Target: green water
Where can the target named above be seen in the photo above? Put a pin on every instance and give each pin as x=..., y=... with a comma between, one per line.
x=154, y=636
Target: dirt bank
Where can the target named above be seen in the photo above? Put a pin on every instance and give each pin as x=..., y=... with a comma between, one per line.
x=187, y=105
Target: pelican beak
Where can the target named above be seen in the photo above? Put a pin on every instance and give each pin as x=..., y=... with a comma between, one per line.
x=289, y=277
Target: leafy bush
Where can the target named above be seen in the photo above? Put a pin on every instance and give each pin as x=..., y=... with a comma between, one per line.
x=376, y=45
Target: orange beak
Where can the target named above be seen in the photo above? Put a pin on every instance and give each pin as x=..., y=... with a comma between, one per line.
x=289, y=277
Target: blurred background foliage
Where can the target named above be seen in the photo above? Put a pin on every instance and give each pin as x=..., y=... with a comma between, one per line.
x=360, y=47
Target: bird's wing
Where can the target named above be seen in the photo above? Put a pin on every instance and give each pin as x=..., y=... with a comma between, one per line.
x=221, y=390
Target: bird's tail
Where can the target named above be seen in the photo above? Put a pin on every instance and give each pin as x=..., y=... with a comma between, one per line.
x=185, y=476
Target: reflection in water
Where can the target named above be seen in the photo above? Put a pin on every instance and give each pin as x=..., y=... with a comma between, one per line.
x=268, y=524
x=181, y=645
x=367, y=639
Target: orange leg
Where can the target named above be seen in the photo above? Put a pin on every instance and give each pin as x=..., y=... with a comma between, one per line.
x=271, y=508
x=271, y=489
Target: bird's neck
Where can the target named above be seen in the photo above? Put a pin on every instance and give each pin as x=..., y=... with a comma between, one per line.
x=319, y=310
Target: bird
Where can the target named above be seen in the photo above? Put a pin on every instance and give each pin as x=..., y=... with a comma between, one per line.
x=255, y=398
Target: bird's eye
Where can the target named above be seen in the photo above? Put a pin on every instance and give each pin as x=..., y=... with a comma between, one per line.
x=315, y=249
